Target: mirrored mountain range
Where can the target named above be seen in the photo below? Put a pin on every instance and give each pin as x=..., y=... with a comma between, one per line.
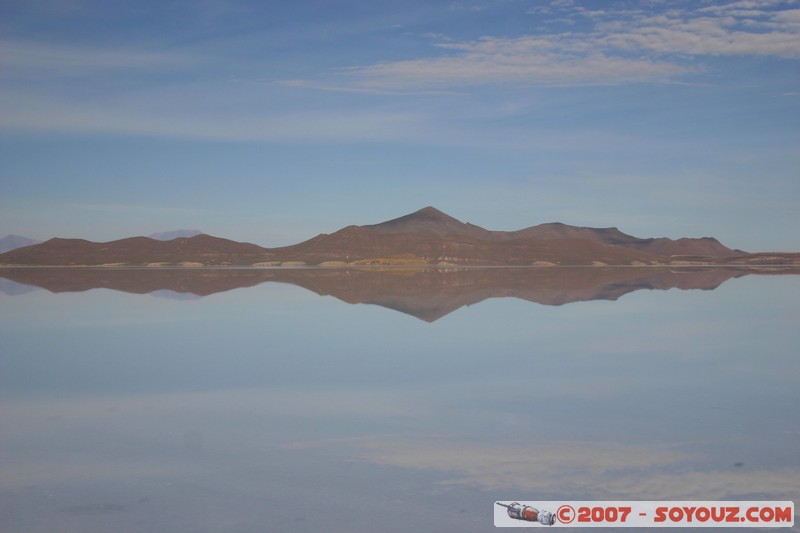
x=425, y=293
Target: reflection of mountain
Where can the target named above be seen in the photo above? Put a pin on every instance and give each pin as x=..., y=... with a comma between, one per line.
x=200, y=282
x=432, y=294
x=427, y=294
x=12, y=288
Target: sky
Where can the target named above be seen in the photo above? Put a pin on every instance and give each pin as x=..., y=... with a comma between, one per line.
x=273, y=121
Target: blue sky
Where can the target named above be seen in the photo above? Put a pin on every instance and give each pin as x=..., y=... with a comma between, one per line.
x=274, y=121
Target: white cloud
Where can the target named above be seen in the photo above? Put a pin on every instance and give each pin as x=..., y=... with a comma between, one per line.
x=525, y=60
x=754, y=5
x=619, y=47
x=627, y=46
x=709, y=35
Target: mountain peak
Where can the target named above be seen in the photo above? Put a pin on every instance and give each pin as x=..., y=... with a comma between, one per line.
x=430, y=211
x=426, y=220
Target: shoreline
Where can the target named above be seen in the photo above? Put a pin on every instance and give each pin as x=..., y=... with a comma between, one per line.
x=681, y=265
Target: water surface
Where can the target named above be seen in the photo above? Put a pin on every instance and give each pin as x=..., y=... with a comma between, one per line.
x=274, y=405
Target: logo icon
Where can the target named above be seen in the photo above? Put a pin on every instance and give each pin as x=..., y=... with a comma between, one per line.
x=527, y=513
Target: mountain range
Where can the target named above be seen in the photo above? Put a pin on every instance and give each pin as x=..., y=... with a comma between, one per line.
x=12, y=242
x=427, y=237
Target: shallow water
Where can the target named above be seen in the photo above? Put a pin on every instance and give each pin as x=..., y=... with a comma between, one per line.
x=274, y=405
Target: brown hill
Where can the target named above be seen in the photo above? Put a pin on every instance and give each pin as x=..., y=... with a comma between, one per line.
x=436, y=237
x=139, y=251
x=359, y=243
x=427, y=237
x=431, y=220
x=701, y=247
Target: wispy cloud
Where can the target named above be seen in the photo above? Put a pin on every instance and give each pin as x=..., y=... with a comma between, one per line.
x=188, y=93
x=726, y=33
x=28, y=56
x=621, y=46
x=525, y=60
x=308, y=84
x=43, y=113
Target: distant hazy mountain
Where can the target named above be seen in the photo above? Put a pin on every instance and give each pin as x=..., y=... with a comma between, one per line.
x=12, y=242
x=169, y=235
x=426, y=237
